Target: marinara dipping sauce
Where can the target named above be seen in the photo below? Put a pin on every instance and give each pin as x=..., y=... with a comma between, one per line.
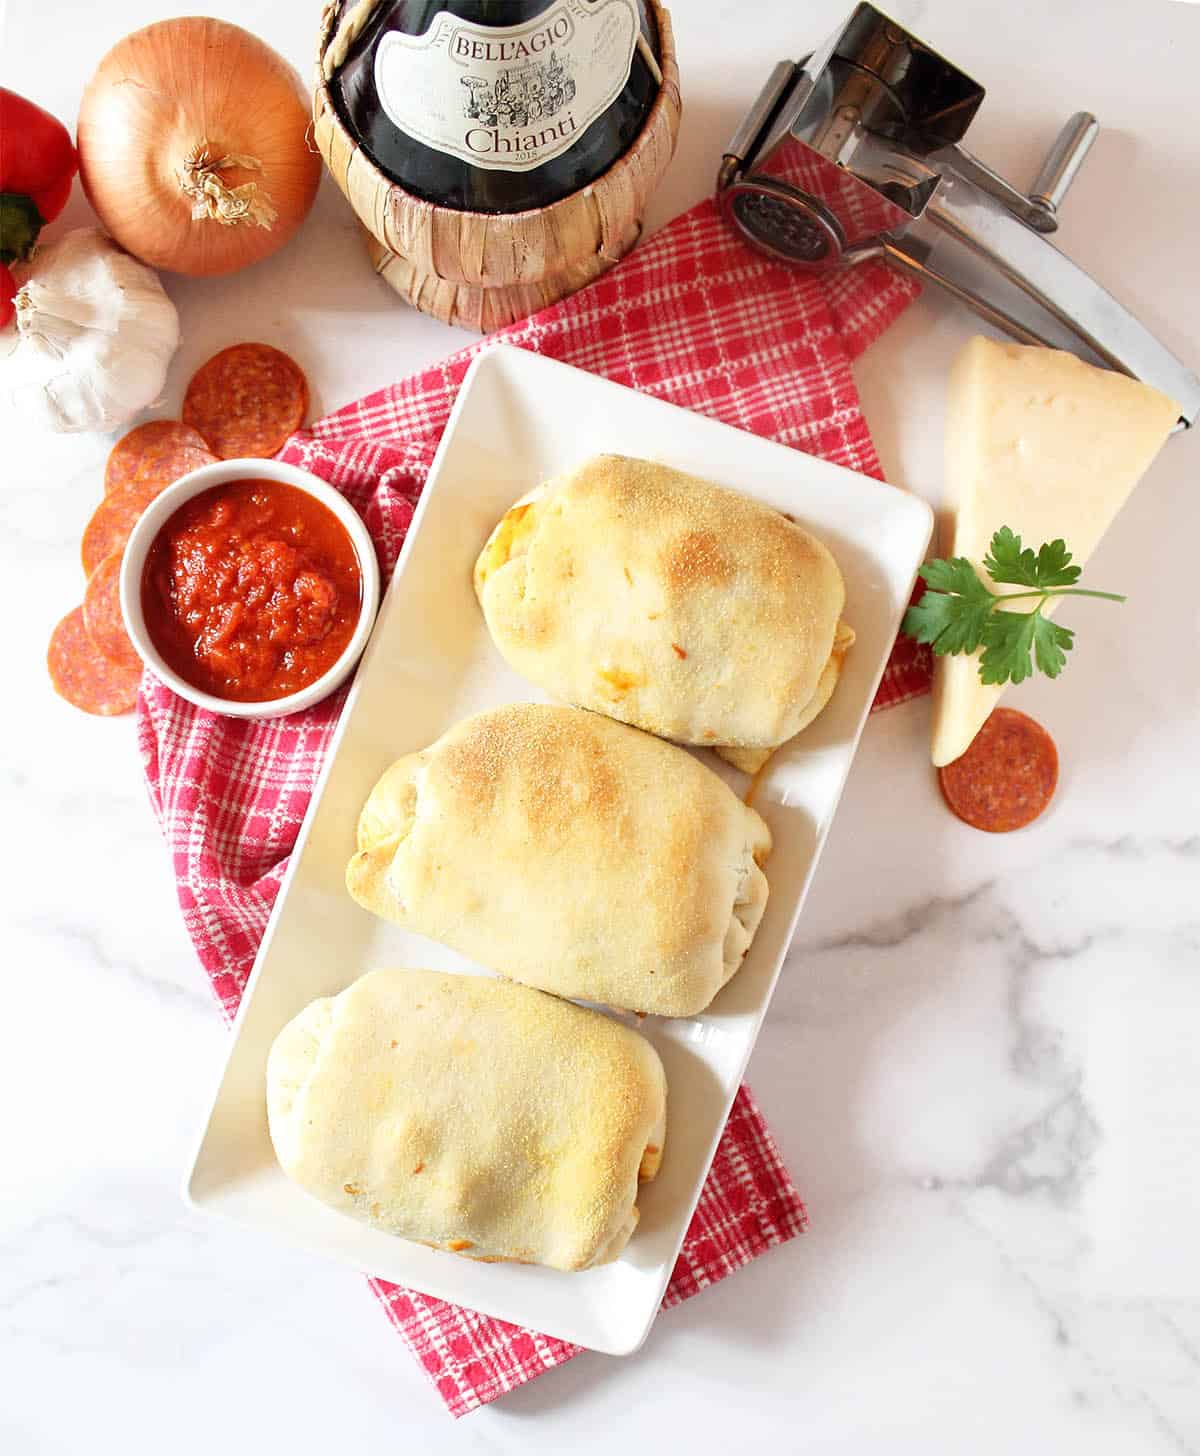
x=251, y=590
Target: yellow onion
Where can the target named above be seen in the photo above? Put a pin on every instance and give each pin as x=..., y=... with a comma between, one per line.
x=193, y=146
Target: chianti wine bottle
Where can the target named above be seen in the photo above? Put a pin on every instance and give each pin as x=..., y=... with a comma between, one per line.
x=498, y=105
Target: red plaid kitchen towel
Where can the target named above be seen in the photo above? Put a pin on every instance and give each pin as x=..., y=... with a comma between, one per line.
x=696, y=318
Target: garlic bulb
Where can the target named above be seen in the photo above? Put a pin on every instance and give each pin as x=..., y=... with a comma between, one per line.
x=97, y=332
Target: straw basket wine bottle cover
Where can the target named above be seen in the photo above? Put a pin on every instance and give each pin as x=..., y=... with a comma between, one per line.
x=499, y=156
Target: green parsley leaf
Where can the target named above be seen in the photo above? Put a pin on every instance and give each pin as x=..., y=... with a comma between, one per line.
x=949, y=623
x=1053, y=565
x=955, y=575
x=1008, y=562
x=960, y=613
x=1051, y=643
x=1007, y=640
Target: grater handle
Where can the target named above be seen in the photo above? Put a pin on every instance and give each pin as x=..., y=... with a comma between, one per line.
x=747, y=139
x=962, y=210
x=1063, y=162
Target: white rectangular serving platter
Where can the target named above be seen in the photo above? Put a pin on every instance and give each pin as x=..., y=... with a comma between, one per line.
x=519, y=419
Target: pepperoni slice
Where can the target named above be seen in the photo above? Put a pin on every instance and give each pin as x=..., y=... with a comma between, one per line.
x=1007, y=776
x=115, y=517
x=83, y=676
x=161, y=450
x=110, y=525
x=247, y=400
x=102, y=614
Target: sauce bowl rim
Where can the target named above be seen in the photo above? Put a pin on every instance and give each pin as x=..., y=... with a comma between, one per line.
x=160, y=510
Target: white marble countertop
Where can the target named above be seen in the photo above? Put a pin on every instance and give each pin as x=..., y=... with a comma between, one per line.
x=977, y=1064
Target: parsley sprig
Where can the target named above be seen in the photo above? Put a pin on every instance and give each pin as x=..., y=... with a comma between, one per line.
x=960, y=613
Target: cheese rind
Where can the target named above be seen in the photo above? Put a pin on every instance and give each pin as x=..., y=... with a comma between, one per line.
x=1052, y=447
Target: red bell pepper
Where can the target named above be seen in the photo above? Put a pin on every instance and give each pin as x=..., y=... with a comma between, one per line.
x=37, y=165
x=8, y=291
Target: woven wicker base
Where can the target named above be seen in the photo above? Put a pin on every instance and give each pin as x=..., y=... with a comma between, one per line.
x=485, y=270
x=481, y=309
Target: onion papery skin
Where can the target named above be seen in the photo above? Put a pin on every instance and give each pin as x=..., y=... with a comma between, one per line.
x=157, y=98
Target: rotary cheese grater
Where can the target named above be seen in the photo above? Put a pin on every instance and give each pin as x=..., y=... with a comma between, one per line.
x=854, y=153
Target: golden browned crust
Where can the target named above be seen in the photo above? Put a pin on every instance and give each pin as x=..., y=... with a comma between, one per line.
x=570, y=852
x=470, y=1114
x=665, y=601
x=693, y=559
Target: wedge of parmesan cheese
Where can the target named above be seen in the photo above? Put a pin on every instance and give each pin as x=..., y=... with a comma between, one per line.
x=1040, y=441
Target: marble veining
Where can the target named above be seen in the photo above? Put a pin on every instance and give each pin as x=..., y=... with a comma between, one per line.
x=979, y=1062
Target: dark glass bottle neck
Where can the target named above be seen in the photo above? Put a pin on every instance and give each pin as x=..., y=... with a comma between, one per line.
x=449, y=181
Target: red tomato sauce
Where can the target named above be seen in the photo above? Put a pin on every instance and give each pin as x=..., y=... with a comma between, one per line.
x=251, y=590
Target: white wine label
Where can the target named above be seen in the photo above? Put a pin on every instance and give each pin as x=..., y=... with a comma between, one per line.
x=508, y=98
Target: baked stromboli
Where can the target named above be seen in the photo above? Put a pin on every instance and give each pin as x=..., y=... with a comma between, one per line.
x=570, y=852
x=470, y=1114
x=657, y=598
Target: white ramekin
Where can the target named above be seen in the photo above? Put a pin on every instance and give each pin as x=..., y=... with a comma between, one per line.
x=156, y=515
